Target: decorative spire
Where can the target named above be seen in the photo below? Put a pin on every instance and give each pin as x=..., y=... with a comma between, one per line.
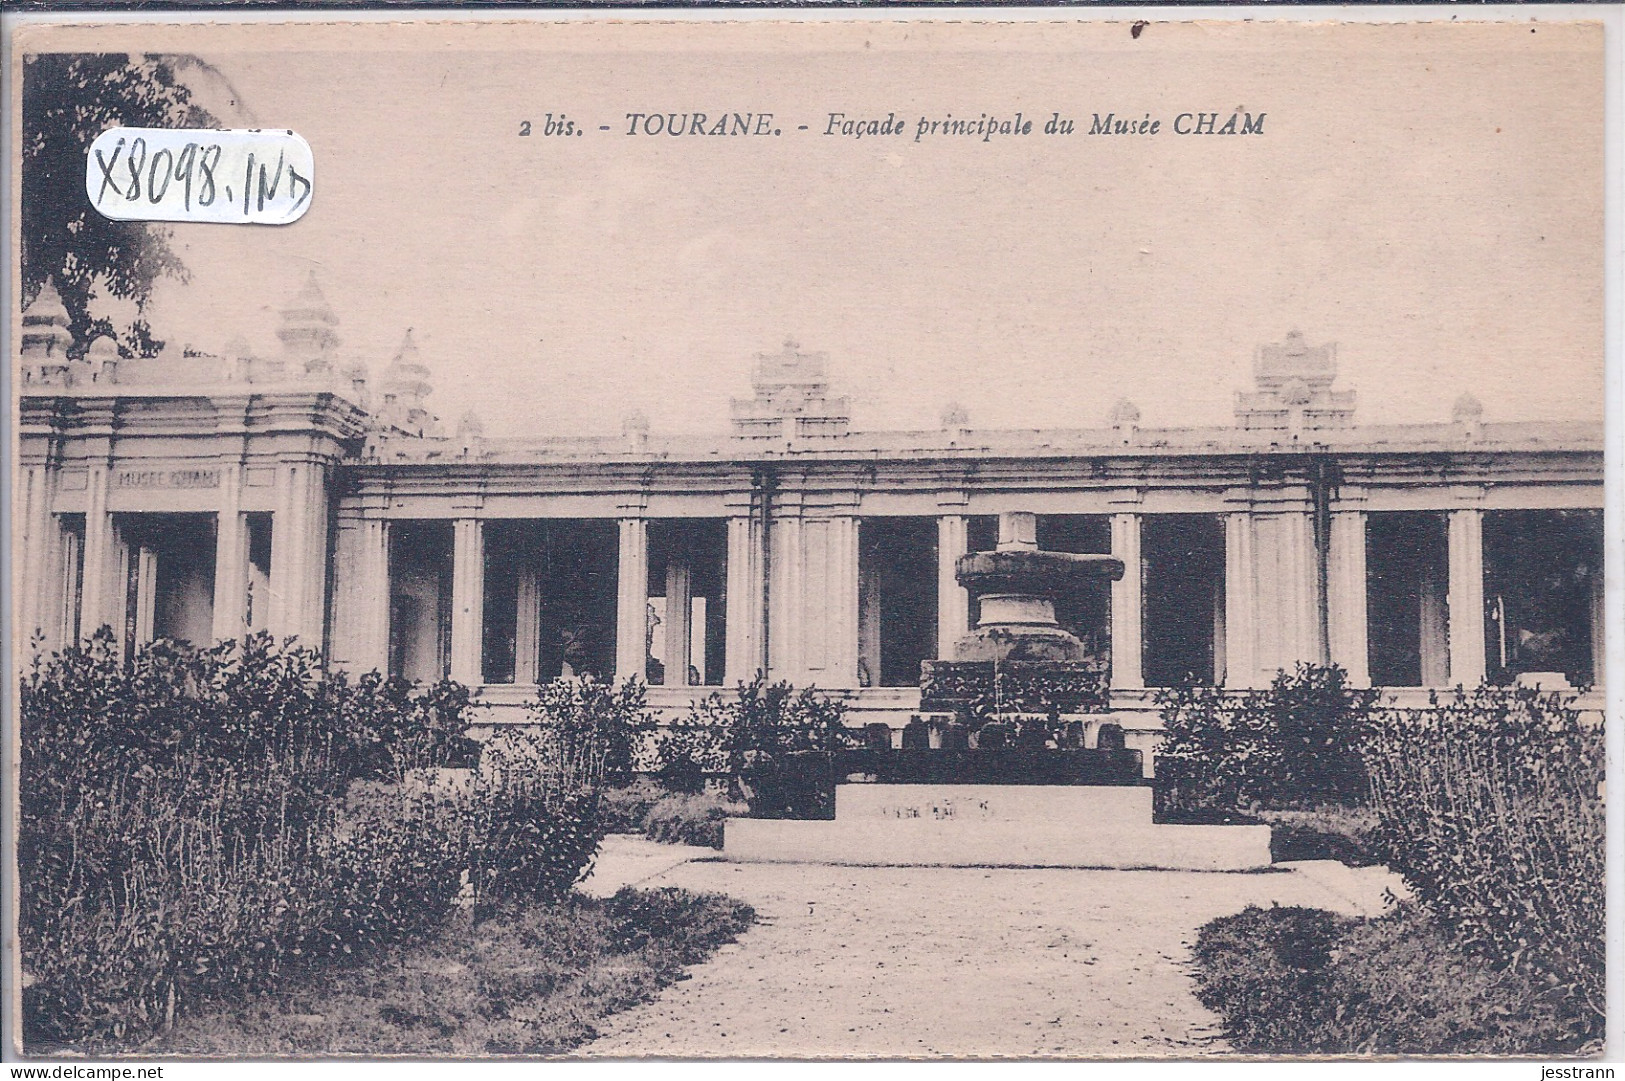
x=101, y=360
x=1124, y=413
x=1293, y=388
x=791, y=398
x=954, y=418
x=307, y=328
x=1467, y=410
x=404, y=386
x=635, y=429
x=1468, y=415
x=45, y=337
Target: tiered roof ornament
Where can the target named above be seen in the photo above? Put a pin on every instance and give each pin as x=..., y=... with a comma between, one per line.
x=1468, y=416
x=635, y=430
x=1294, y=389
x=402, y=390
x=791, y=399
x=45, y=338
x=1125, y=419
x=307, y=334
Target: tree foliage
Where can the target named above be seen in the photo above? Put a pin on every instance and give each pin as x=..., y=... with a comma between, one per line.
x=68, y=100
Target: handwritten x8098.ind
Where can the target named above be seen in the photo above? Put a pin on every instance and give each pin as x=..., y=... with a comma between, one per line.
x=162, y=174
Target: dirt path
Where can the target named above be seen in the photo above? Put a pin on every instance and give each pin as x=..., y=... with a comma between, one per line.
x=863, y=962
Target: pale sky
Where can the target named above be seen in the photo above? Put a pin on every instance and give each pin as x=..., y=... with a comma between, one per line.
x=1429, y=198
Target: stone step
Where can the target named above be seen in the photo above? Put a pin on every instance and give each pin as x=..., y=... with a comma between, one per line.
x=1069, y=806
x=996, y=843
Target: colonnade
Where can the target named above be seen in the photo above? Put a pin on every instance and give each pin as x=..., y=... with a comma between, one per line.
x=792, y=603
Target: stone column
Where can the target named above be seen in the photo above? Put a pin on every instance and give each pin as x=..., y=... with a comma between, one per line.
x=299, y=552
x=527, y=627
x=744, y=615
x=102, y=592
x=679, y=618
x=1467, y=596
x=145, y=570
x=787, y=626
x=1127, y=603
x=468, y=602
x=1345, y=596
x=40, y=543
x=1240, y=633
x=230, y=558
x=632, y=600
x=953, y=602
x=363, y=588
x=841, y=596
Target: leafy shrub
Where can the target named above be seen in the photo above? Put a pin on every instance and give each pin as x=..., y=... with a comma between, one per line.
x=691, y=820
x=754, y=737
x=1296, y=743
x=536, y=819
x=625, y=808
x=1305, y=981
x=180, y=834
x=1490, y=804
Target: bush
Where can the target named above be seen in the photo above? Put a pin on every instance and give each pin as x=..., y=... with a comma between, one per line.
x=1305, y=981
x=691, y=820
x=180, y=834
x=754, y=737
x=1490, y=805
x=536, y=818
x=624, y=809
x=1296, y=743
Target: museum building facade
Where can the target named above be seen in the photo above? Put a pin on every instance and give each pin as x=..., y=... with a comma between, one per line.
x=203, y=496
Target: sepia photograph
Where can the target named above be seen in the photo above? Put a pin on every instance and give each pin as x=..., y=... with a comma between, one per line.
x=1039, y=535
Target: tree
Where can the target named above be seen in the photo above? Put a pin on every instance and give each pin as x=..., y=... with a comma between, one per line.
x=68, y=100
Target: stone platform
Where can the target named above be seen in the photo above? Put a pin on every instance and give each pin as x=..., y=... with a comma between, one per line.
x=997, y=826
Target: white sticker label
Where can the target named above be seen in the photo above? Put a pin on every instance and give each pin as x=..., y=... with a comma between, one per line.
x=256, y=176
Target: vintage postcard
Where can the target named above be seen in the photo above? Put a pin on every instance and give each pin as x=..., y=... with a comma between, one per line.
x=1034, y=535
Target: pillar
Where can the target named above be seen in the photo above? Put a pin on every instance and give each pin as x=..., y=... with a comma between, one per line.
x=103, y=589
x=632, y=600
x=230, y=559
x=1345, y=596
x=1239, y=633
x=786, y=626
x=841, y=596
x=362, y=588
x=299, y=552
x=468, y=602
x=953, y=601
x=40, y=543
x=144, y=569
x=679, y=616
x=1466, y=633
x=527, y=646
x=1127, y=603
x=743, y=658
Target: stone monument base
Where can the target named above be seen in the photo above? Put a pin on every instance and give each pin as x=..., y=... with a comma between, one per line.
x=997, y=826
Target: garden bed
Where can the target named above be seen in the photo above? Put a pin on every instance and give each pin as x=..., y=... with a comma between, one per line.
x=531, y=980
x=1307, y=981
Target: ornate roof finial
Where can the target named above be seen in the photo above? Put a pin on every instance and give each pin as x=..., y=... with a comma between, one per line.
x=1467, y=409
x=1124, y=412
x=307, y=326
x=954, y=417
x=45, y=336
